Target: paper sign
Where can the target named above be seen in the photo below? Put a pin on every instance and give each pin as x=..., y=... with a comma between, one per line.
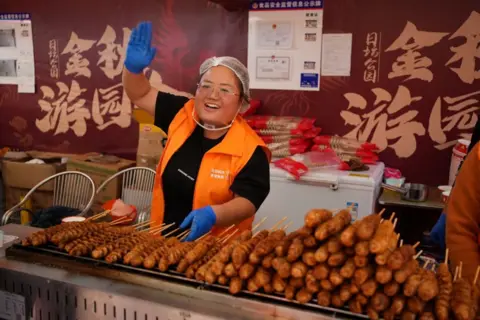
x=272, y=35
x=274, y=68
x=336, y=54
x=12, y=306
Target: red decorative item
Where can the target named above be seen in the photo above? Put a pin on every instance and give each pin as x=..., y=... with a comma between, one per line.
x=295, y=168
x=130, y=217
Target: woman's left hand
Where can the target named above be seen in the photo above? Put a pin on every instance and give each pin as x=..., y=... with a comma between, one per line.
x=201, y=221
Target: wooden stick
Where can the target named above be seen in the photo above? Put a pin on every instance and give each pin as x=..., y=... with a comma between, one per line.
x=426, y=264
x=392, y=216
x=287, y=225
x=460, y=270
x=229, y=236
x=395, y=223
x=171, y=232
x=446, y=256
x=225, y=231
x=418, y=254
x=401, y=242
x=119, y=221
x=456, y=274
x=156, y=229
x=141, y=225
x=184, y=236
x=381, y=212
x=476, y=276
x=381, y=221
x=98, y=215
x=167, y=226
x=206, y=234
x=416, y=245
x=278, y=223
x=259, y=224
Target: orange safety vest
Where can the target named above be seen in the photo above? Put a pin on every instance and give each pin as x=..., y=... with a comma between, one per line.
x=218, y=168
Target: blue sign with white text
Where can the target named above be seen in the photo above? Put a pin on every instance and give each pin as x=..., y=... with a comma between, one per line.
x=14, y=16
x=309, y=80
x=259, y=5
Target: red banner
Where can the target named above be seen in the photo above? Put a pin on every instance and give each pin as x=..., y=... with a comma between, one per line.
x=414, y=89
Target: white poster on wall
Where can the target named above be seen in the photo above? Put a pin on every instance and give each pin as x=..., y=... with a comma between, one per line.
x=285, y=44
x=16, y=51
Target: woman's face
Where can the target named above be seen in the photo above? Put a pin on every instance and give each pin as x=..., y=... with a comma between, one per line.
x=218, y=97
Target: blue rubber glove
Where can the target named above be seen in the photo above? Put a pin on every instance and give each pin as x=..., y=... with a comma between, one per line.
x=139, y=51
x=438, y=232
x=201, y=221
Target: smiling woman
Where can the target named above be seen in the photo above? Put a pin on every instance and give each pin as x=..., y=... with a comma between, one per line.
x=214, y=171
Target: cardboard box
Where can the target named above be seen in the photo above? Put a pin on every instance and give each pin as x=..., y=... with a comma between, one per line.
x=150, y=146
x=100, y=168
x=20, y=177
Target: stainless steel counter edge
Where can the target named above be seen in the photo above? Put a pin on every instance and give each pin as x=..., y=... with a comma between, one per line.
x=164, y=299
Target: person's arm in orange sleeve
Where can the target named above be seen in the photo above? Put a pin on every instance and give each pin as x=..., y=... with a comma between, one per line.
x=463, y=216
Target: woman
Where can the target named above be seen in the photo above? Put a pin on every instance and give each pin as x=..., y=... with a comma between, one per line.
x=214, y=171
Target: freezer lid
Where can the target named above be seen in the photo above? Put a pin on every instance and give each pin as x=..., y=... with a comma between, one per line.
x=370, y=178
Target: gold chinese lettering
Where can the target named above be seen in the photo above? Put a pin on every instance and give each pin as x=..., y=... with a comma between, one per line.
x=77, y=64
x=112, y=56
x=113, y=103
x=412, y=64
x=371, y=54
x=468, y=52
x=53, y=56
x=398, y=133
x=462, y=116
x=65, y=111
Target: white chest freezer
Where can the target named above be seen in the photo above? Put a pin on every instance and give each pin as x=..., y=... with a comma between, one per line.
x=327, y=188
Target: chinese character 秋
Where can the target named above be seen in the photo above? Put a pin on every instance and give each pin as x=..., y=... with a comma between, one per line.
x=398, y=133
x=77, y=64
x=468, y=52
x=462, y=116
x=65, y=111
x=113, y=56
x=112, y=103
x=411, y=64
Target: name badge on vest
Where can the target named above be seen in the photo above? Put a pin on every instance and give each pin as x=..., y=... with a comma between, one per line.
x=219, y=174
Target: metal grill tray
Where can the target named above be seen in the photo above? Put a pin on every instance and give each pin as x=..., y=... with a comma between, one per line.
x=180, y=278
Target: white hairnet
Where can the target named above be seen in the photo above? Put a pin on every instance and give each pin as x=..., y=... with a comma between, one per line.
x=238, y=68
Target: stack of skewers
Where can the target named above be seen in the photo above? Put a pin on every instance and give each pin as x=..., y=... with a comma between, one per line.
x=362, y=266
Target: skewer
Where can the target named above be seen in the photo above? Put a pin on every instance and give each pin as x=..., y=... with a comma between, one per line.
x=259, y=224
x=119, y=221
x=165, y=227
x=416, y=245
x=418, y=254
x=225, y=231
x=392, y=216
x=476, y=276
x=184, y=236
x=456, y=274
x=98, y=215
x=171, y=232
x=395, y=223
x=154, y=229
x=401, y=242
x=229, y=236
x=143, y=223
x=427, y=262
x=446, y=256
x=460, y=270
x=278, y=223
x=206, y=234
x=287, y=225
x=381, y=221
x=381, y=212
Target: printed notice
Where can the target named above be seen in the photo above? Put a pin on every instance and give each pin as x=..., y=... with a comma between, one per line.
x=273, y=68
x=274, y=35
x=336, y=54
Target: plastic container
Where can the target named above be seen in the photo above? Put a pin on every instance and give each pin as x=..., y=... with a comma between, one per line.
x=458, y=154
